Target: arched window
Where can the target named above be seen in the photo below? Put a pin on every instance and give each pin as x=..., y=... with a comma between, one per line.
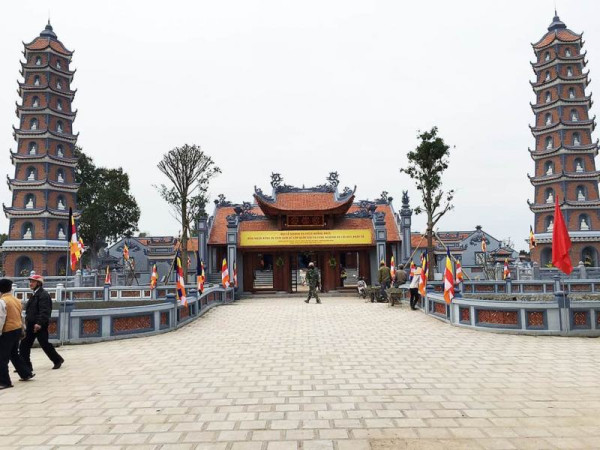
x=61, y=266
x=581, y=193
x=579, y=165
x=549, y=223
x=24, y=266
x=60, y=203
x=33, y=124
x=38, y=60
x=548, y=97
x=549, y=195
x=571, y=92
x=547, y=57
x=58, y=84
x=29, y=201
x=589, y=256
x=59, y=126
x=574, y=115
x=58, y=64
x=546, y=257
x=576, y=139
x=32, y=148
x=36, y=80
x=60, y=176
x=61, y=231
x=548, y=119
x=547, y=75
x=584, y=222
x=569, y=71
x=60, y=151
x=35, y=103
x=549, y=168
x=31, y=174
x=568, y=52
x=59, y=104
x=549, y=142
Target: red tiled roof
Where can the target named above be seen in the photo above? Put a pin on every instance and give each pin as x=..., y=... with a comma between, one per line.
x=218, y=232
x=415, y=240
x=393, y=235
x=561, y=35
x=42, y=43
x=304, y=202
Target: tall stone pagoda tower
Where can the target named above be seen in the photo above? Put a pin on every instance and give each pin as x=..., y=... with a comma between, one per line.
x=564, y=149
x=44, y=186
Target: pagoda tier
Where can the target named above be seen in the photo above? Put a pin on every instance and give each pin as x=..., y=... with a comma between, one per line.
x=564, y=153
x=43, y=187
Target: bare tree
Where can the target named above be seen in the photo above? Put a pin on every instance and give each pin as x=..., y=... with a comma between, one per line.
x=189, y=170
x=426, y=164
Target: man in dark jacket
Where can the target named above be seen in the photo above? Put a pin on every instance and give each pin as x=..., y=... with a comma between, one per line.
x=37, y=319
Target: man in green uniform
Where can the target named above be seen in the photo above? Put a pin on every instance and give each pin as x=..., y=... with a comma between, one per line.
x=312, y=278
x=385, y=277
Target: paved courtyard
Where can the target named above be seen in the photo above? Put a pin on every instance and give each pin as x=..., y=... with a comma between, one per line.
x=277, y=374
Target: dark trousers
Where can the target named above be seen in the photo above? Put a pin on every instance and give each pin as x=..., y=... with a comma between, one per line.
x=42, y=337
x=414, y=297
x=9, y=351
x=313, y=292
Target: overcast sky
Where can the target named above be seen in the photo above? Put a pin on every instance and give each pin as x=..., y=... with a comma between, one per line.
x=304, y=88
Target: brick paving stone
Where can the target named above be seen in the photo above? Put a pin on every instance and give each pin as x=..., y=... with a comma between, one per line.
x=277, y=374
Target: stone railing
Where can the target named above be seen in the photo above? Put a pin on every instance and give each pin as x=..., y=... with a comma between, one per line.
x=559, y=316
x=571, y=286
x=162, y=312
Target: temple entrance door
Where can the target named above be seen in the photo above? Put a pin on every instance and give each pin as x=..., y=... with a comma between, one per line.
x=295, y=277
x=302, y=260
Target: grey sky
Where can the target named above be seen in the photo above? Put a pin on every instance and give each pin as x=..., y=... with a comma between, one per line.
x=304, y=88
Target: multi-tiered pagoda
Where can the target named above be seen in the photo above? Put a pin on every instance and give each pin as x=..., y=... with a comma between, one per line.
x=564, y=150
x=44, y=186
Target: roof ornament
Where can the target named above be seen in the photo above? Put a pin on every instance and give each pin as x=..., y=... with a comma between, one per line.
x=48, y=32
x=333, y=179
x=276, y=180
x=384, y=198
x=222, y=201
x=405, y=199
x=556, y=24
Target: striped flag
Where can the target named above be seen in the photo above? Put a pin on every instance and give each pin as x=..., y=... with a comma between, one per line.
x=154, y=277
x=125, y=252
x=532, y=243
x=412, y=269
x=107, y=276
x=506, y=273
x=225, y=274
x=81, y=246
x=448, y=279
x=200, y=276
x=393, y=268
x=235, y=283
x=459, y=272
x=74, y=250
x=180, y=282
x=423, y=278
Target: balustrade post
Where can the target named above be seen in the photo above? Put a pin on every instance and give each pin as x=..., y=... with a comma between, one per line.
x=536, y=270
x=582, y=271
x=106, y=292
x=508, y=285
x=78, y=281
x=65, y=307
x=428, y=290
x=564, y=305
x=153, y=294
x=173, y=316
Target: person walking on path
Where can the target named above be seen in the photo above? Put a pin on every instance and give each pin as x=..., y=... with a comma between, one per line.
x=414, y=288
x=312, y=278
x=37, y=319
x=384, y=278
x=11, y=327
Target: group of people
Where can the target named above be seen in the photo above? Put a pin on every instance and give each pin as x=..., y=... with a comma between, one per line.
x=17, y=335
x=401, y=277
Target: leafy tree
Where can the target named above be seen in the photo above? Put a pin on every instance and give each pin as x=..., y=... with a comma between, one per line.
x=189, y=170
x=108, y=210
x=426, y=164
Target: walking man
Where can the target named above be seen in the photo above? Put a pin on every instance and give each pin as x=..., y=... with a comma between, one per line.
x=37, y=319
x=312, y=278
x=10, y=333
x=414, y=288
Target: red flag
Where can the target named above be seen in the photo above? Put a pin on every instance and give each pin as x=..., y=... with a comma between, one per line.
x=107, y=276
x=561, y=242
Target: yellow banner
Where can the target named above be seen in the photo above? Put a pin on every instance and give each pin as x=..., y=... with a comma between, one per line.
x=294, y=238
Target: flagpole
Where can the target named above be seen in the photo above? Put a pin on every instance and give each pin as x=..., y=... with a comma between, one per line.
x=453, y=258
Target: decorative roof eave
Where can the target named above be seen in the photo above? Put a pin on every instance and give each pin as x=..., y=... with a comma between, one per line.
x=564, y=150
x=568, y=204
x=269, y=209
x=71, y=138
x=45, y=89
x=576, y=236
x=540, y=86
x=589, y=125
x=537, y=47
x=19, y=213
x=47, y=110
x=540, y=107
x=42, y=184
x=563, y=124
x=537, y=66
x=67, y=162
x=28, y=245
x=562, y=176
x=67, y=52
x=47, y=66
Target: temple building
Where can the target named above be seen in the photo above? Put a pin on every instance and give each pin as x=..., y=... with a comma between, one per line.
x=273, y=238
x=564, y=150
x=43, y=188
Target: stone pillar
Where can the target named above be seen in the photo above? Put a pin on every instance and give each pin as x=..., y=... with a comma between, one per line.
x=95, y=276
x=232, y=236
x=564, y=306
x=380, y=236
x=173, y=316
x=498, y=271
x=508, y=286
x=65, y=307
x=536, y=270
x=78, y=278
x=153, y=294
x=582, y=271
x=106, y=292
x=202, y=230
x=405, y=229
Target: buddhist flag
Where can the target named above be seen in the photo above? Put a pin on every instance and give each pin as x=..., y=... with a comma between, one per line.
x=200, y=275
x=74, y=250
x=483, y=245
x=459, y=272
x=154, y=277
x=180, y=281
x=412, y=269
x=448, y=279
x=393, y=268
x=225, y=274
x=423, y=279
x=81, y=246
x=532, y=242
x=561, y=242
x=506, y=273
x=125, y=252
x=235, y=283
x=107, y=276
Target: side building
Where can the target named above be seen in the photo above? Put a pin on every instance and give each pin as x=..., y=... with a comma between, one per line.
x=564, y=153
x=43, y=188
